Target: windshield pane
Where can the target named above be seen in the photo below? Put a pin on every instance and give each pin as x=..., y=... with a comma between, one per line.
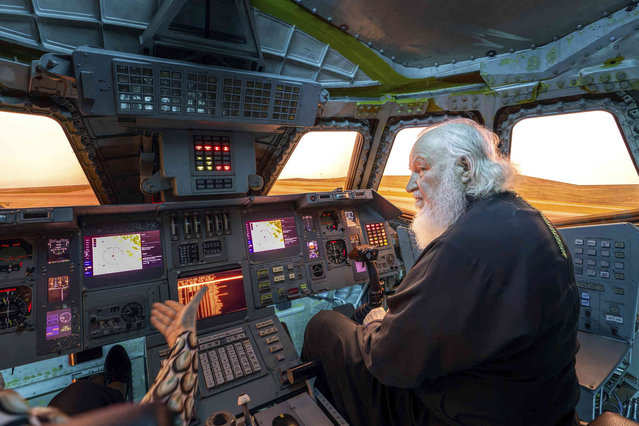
x=319, y=163
x=573, y=165
x=396, y=174
x=39, y=168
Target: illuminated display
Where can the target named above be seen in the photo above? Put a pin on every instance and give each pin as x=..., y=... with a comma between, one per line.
x=110, y=254
x=225, y=295
x=376, y=234
x=58, y=324
x=58, y=288
x=13, y=253
x=212, y=153
x=308, y=223
x=274, y=234
x=350, y=218
x=313, y=249
x=58, y=251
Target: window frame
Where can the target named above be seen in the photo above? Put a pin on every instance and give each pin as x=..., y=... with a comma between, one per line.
x=361, y=148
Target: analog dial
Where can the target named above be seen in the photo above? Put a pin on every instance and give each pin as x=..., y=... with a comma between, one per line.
x=14, y=309
x=336, y=251
x=132, y=312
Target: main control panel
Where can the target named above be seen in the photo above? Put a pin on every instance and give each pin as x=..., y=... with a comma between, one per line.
x=76, y=278
x=607, y=277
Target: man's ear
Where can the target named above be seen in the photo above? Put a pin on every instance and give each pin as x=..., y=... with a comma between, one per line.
x=465, y=176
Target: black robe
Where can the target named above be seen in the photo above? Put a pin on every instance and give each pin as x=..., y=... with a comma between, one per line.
x=482, y=330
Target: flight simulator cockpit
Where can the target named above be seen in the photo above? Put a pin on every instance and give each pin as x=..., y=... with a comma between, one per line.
x=183, y=115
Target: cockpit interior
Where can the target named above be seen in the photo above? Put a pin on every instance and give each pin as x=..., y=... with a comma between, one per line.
x=251, y=146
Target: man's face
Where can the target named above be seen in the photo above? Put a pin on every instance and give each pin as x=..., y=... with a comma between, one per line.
x=428, y=162
x=437, y=187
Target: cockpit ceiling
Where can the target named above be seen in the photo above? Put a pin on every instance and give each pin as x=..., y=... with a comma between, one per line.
x=423, y=33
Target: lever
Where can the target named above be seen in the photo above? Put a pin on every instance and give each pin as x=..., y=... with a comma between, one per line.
x=243, y=401
x=302, y=372
x=368, y=255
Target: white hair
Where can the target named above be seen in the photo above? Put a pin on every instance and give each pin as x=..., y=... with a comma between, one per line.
x=477, y=148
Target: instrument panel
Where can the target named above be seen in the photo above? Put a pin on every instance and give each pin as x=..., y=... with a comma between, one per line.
x=83, y=277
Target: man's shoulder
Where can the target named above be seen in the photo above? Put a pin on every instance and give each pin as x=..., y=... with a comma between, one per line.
x=499, y=224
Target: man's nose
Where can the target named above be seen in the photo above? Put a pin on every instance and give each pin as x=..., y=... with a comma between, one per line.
x=412, y=184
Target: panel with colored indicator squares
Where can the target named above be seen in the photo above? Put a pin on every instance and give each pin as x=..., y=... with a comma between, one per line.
x=376, y=234
x=212, y=153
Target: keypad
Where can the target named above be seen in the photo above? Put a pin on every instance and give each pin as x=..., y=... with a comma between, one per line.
x=134, y=89
x=227, y=357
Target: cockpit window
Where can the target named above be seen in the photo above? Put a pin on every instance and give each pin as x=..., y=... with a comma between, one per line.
x=39, y=168
x=573, y=165
x=396, y=174
x=320, y=162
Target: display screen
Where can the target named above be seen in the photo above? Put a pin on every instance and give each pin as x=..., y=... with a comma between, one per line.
x=58, y=251
x=313, y=249
x=272, y=234
x=58, y=288
x=225, y=295
x=112, y=254
x=58, y=324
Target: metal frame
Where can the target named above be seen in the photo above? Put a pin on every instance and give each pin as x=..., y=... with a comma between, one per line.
x=624, y=110
x=284, y=150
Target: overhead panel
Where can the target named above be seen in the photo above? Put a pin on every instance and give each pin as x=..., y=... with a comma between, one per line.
x=140, y=86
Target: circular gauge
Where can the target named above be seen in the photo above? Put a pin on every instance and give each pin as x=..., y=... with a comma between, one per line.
x=14, y=309
x=329, y=220
x=132, y=312
x=65, y=317
x=336, y=251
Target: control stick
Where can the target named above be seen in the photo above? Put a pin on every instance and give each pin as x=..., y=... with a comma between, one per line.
x=368, y=255
x=243, y=401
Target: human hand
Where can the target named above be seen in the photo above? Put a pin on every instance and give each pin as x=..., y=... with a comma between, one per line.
x=376, y=314
x=172, y=318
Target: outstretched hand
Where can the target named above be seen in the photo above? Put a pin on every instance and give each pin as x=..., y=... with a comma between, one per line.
x=172, y=318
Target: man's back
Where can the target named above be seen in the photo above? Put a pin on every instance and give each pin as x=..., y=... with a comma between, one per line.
x=483, y=328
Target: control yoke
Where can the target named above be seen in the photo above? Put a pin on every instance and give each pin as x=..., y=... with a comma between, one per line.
x=368, y=255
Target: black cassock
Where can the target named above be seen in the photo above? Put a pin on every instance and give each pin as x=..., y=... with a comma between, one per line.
x=482, y=330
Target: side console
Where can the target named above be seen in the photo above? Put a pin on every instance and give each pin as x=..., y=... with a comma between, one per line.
x=606, y=276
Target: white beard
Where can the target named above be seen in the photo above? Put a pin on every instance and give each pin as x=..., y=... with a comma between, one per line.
x=445, y=204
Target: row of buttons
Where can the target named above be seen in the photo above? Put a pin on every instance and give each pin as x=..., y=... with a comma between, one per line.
x=603, y=253
x=603, y=243
x=602, y=274
x=213, y=183
x=602, y=263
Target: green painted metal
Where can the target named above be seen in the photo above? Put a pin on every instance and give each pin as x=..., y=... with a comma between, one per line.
x=391, y=82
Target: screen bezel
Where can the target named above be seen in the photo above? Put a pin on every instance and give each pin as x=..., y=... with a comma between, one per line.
x=270, y=255
x=124, y=277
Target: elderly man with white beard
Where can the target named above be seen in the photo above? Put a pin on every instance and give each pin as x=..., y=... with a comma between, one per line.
x=483, y=328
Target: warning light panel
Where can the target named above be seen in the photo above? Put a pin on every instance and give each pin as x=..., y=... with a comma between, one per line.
x=376, y=234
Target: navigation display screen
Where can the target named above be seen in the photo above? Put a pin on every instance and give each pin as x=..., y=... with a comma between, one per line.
x=225, y=295
x=274, y=234
x=112, y=254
